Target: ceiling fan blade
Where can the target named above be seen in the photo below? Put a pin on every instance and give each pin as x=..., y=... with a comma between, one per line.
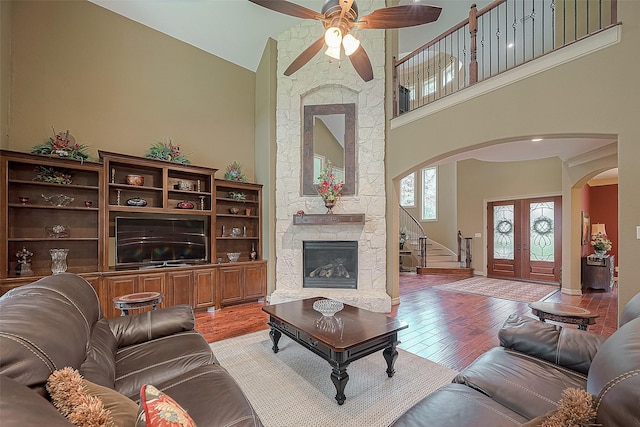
x=289, y=8
x=399, y=17
x=362, y=64
x=305, y=56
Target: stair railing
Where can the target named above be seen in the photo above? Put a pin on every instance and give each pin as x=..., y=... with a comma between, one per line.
x=412, y=234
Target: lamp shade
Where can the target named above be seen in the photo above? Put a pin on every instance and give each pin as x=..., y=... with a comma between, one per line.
x=598, y=229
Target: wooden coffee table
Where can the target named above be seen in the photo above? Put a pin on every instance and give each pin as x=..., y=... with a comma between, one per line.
x=363, y=332
x=563, y=313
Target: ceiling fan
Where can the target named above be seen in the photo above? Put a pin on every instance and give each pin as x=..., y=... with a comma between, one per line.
x=339, y=17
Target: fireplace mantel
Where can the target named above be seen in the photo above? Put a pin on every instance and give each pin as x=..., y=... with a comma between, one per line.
x=328, y=219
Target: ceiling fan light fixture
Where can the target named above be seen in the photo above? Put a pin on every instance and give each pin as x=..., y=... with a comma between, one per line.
x=333, y=52
x=333, y=37
x=350, y=44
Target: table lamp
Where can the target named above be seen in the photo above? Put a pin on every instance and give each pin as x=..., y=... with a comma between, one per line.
x=598, y=229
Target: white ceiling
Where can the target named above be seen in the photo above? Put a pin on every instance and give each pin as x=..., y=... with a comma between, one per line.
x=237, y=31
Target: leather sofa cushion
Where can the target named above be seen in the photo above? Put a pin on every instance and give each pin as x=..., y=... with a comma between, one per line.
x=567, y=347
x=526, y=385
x=138, y=328
x=211, y=397
x=159, y=360
x=460, y=406
x=614, y=378
x=100, y=365
x=20, y=406
x=64, y=307
x=631, y=310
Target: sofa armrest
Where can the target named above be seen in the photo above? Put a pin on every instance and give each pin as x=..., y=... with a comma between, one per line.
x=150, y=325
x=21, y=406
x=567, y=347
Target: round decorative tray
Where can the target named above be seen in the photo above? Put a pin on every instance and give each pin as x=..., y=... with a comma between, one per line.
x=328, y=307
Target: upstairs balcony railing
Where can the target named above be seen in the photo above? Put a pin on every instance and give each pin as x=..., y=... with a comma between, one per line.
x=502, y=36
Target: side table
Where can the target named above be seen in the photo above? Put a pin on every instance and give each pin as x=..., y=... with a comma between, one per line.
x=564, y=313
x=138, y=300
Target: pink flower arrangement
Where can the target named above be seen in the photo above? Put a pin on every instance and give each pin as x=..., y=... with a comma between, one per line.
x=329, y=188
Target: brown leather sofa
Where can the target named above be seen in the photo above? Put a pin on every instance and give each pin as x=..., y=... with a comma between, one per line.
x=57, y=322
x=524, y=377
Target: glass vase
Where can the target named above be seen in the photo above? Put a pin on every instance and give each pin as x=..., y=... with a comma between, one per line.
x=58, y=260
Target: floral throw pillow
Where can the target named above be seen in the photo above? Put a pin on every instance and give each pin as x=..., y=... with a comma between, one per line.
x=159, y=410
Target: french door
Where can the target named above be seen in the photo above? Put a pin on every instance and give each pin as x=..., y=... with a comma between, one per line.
x=525, y=238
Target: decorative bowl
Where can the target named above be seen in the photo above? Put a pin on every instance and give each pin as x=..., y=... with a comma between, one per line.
x=185, y=205
x=328, y=307
x=135, y=180
x=136, y=201
x=58, y=231
x=58, y=199
x=233, y=256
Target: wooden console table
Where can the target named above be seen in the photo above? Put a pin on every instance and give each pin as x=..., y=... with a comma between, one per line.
x=597, y=273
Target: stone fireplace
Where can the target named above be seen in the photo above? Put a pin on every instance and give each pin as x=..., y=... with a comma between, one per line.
x=330, y=264
x=323, y=82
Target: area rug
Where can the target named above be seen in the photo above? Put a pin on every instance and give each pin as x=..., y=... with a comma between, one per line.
x=293, y=388
x=500, y=288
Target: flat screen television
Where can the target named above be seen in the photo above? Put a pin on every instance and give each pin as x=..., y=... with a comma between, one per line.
x=160, y=241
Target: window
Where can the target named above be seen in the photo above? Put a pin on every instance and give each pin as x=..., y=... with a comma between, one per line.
x=407, y=190
x=429, y=87
x=430, y=194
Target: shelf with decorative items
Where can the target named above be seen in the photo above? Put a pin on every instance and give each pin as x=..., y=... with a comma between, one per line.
x=49, y=203
x=156, y=188
x=238, y=226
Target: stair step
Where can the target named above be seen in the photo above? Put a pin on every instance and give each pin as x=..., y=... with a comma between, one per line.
x=443, y=270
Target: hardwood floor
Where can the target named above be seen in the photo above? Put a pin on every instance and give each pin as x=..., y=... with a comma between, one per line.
x=449, y=328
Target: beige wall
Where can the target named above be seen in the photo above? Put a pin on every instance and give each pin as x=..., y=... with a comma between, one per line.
x=480, y=182
x=593, y=95
x=5, y=71
x=120, y=86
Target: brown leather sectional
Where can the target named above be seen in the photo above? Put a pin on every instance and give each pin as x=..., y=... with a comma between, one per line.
x=57, y=322
x=524, y=377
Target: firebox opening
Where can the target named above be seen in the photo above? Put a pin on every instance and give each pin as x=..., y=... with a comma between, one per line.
x=330, y=264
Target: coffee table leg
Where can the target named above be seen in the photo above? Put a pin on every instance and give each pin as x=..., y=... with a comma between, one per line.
x=340, y=378
x=275, y=337
x=390, y=355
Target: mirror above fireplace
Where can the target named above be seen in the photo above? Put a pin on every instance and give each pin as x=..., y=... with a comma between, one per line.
x=329, y=135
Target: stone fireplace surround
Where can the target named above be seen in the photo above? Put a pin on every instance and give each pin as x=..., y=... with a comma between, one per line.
x=324, y=82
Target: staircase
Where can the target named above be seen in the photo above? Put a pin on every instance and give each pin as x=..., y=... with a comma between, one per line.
x=425, y=256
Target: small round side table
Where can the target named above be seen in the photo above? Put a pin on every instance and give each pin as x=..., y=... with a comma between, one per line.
x=138, y=300
x=564, y=313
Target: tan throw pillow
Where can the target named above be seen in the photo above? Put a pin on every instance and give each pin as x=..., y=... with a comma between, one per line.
x=123, y=410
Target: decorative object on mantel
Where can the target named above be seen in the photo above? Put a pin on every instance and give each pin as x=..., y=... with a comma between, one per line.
x=599, y=241
x=329, y=188
x=168, y=152
x=61, y=145
x=53, y=175
x=234, y=173
x=24, y=263
x=326, y=219
x=300, y=213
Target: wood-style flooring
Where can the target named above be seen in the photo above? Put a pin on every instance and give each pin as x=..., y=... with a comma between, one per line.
x=446, y=327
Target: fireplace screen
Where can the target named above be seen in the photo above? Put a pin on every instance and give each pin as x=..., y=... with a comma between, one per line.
x=330, y=264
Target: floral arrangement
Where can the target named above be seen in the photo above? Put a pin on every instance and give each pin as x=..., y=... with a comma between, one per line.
x=168, y=152
x=234, y=173
x=329, y=188
x=61, y=144
x=52, y=175
x=237, y=196
x=600, y=243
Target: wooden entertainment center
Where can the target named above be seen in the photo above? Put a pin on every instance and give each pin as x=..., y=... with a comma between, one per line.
x=36, y=218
